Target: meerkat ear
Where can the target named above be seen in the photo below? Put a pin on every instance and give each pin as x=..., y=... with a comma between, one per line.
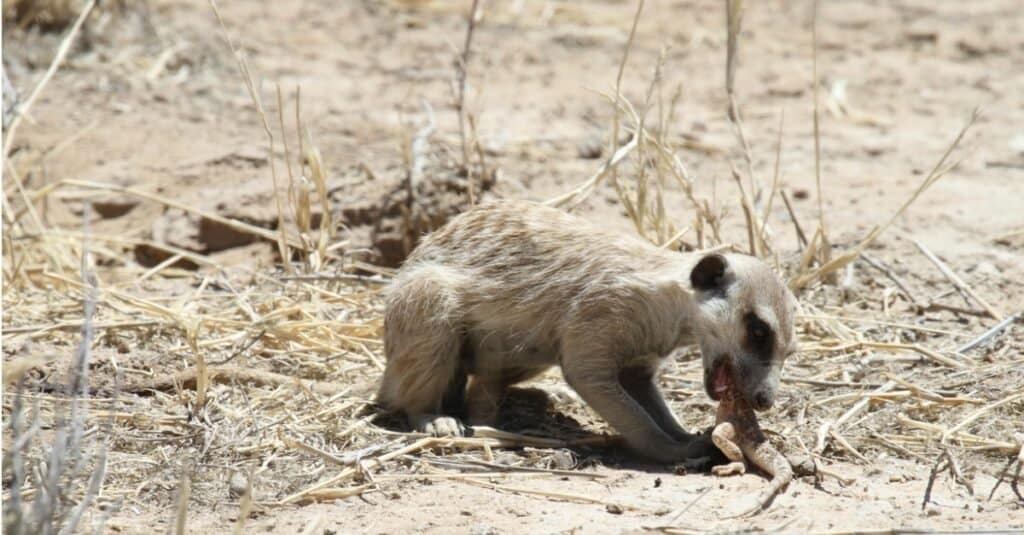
x=709, y=273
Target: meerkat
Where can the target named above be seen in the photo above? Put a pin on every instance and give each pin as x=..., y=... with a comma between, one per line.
x=509, y=289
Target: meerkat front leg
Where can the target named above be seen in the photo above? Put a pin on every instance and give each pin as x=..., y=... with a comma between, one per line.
x=639, y=383
x=597, y=381
x=724, y=437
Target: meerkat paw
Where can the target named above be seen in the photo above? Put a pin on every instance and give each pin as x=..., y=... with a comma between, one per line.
x=731, y=469
x=438, y=425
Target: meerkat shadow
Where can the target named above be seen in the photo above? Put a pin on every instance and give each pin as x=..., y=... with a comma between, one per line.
x=525, y=410
x=535, y=411
x=545, y=412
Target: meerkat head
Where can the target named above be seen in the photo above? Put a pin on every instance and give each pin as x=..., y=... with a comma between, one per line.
x=745, y=327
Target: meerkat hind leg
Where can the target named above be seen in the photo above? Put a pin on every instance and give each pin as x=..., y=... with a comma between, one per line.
x=487, y=392
x=483, y=400
x=724, y=437
x=438, y=425
x=425, y=375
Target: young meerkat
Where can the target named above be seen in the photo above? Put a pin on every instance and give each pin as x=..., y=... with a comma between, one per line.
x=509, y=289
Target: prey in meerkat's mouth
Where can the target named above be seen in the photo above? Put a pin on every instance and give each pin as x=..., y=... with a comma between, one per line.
x=718, y=380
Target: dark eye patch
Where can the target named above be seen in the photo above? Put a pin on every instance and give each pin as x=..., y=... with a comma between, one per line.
x=759, y=336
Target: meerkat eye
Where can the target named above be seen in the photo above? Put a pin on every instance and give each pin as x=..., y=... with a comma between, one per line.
x=759, y=334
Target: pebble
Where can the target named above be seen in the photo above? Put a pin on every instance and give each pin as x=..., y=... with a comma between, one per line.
x=563, y=460
x=590, y=147
x=237, y=485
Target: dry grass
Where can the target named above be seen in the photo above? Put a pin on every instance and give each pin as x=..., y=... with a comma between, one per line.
x=267, y=377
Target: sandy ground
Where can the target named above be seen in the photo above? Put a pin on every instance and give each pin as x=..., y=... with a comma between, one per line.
x=156, y=102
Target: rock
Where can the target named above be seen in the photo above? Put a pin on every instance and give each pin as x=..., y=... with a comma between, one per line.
x=111, y=206
x=802, y=464
x=590, y=147
x=563, y=460
x=875, y=147
x=238, y=484
x=175, y=228
x=506, y=458
x=1017, y=144
x=987, y=270
x=216, y=236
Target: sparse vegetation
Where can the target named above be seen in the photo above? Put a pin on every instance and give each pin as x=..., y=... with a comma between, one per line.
x=202, y=355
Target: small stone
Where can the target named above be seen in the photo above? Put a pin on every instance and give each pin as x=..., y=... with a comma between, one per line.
x=613, y=509
x=987, y=269
x=506, y=458
x=113, y=206
x=932, y=510
x=875, y=147
x=802, y=464
x=800, y=194
x=237, y=485
x=563, y=460
x=590, y=147
x=1017, y=144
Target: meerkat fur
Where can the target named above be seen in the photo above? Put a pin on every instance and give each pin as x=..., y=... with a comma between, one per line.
x=509, y=289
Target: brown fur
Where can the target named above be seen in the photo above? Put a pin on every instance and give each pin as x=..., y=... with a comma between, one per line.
x=509, y=289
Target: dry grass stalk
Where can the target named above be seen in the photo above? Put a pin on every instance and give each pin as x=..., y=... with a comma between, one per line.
x=58, y=59
x=558, y=496
x=461, y=73
x=304, y=348
x=250, y=84
x=614, y=141
x=67, y=476
x=958, y=283
x=826, y=251
x=991, y=333
x=734, y=26
x=937, y=172
x=181, y=510
x=616, y=154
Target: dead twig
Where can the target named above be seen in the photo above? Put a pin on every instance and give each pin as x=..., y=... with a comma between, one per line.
x=1015, y=478
x=937, y=172
x=58, y=59
x=800, y=236
x=187, y=379
x=988, y=335
x=945, y=461
x=957, y=282
x=462, y=66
